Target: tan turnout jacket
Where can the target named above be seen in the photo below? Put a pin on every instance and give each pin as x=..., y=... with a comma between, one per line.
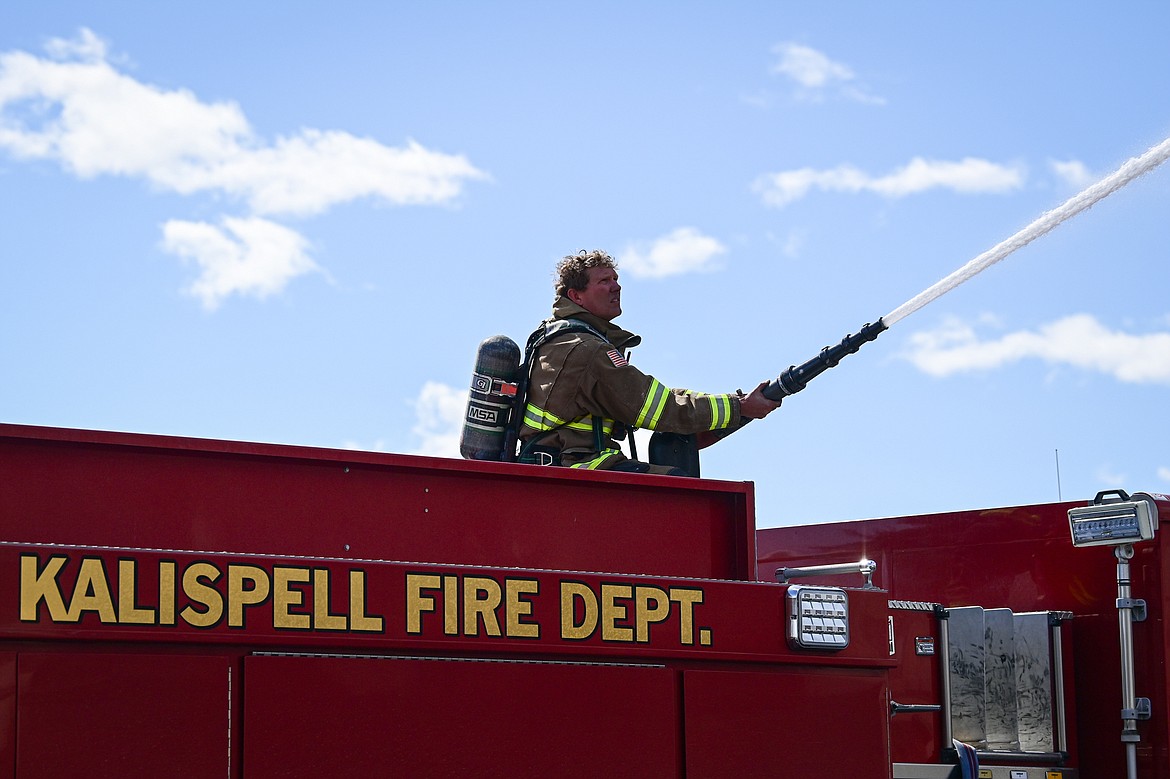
x=578, y=376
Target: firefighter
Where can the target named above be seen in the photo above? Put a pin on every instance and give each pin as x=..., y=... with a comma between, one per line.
x=584, y=395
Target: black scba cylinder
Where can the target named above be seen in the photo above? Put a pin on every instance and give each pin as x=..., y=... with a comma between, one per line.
x=492, y=401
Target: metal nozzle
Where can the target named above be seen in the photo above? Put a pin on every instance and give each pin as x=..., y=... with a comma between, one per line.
x=797, y=377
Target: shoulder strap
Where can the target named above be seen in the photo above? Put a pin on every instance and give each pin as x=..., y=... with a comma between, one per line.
x=549, y=328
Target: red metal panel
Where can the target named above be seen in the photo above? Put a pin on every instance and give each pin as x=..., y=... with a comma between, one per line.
x=333, y=716
x=90, y=488
x=7, y=715
x=122, y=716
x=916, y=737
x=809, y=724
x=1022, y=558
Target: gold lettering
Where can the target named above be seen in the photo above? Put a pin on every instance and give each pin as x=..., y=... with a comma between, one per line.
x=451, y=605
x=516, y=607
x=571, y=593
x=202, y=594
x=358, y=619
x=416, y=603
x=475, y=606
x=322, y=618
x=92, y=593
x=612, y=611
x=128, y=612
x=37, y=586
x=284, y=597
x=166, y=593
x=241, y=594
x=645, y=614
x=686, y=598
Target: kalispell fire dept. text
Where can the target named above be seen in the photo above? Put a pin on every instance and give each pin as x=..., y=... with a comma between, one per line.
x=60, y=589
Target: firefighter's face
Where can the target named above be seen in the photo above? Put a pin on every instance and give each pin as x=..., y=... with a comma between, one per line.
x=602, y=296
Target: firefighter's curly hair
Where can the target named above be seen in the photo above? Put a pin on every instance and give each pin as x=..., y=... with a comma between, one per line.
x=572, y=272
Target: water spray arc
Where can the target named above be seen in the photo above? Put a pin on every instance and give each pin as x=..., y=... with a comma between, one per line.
x=796, y=377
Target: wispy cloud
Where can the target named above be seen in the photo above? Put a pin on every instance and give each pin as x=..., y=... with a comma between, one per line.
x=684, y=250
x=816, y=75
x=245, y=256
x=439, y=410
x=1078, y=341
x=75, y=108
x=967, y=176
x=1164, y=473
x=1072, y=172
x=1109, y=476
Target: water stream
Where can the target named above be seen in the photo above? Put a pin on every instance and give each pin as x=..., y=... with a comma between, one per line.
x=1042, y=225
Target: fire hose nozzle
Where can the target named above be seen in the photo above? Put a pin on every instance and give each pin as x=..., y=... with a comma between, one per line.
x=797, y=377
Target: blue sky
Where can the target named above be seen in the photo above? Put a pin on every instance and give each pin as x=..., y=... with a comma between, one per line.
x=222, y=220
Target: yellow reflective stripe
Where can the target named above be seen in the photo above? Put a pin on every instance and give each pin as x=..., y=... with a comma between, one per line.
x=586, y=423
x=652, y=409
x=720, y=411
x=598, y=461
x=539, y=419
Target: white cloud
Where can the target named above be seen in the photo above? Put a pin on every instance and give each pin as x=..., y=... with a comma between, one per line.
x=439, y=411
x=246, y=257
x=815, y=73
x=967, y=176
x=1078, y=341
x=807, y=66
x=76, y=109
x=309, y=173
x=1108, y=476
x=1072, y=172
x=86, y=46
x=1164, y=473
x=685, y=250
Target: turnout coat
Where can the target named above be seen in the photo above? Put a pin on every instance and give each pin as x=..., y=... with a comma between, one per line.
x=583, y=394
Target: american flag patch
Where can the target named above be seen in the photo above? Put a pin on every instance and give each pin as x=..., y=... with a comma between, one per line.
x=616, y=358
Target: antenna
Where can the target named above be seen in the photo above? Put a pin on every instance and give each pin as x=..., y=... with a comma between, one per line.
x=1058, y=494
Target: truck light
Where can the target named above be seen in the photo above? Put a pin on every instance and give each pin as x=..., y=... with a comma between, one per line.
x=1113, y=522
x=818, y=617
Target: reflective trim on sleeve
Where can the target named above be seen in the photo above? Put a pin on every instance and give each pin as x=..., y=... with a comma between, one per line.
x=720, y=411
x=651, y=411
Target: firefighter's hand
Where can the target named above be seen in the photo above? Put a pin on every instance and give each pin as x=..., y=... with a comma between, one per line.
x=754, y=405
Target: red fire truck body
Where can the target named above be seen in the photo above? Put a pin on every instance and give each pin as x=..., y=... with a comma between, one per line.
x=1022, y=558
x=173, y=606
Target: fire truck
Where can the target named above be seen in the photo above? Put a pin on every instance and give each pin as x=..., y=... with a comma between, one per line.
x=183, y=607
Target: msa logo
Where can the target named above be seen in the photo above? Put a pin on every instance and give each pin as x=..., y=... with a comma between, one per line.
x=481, y=414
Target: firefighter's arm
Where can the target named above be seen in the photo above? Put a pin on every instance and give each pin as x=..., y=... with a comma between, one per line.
x=753, y=405
x=622, y=392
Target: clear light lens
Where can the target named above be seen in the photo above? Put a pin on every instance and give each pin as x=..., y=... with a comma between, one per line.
x=818, y=617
